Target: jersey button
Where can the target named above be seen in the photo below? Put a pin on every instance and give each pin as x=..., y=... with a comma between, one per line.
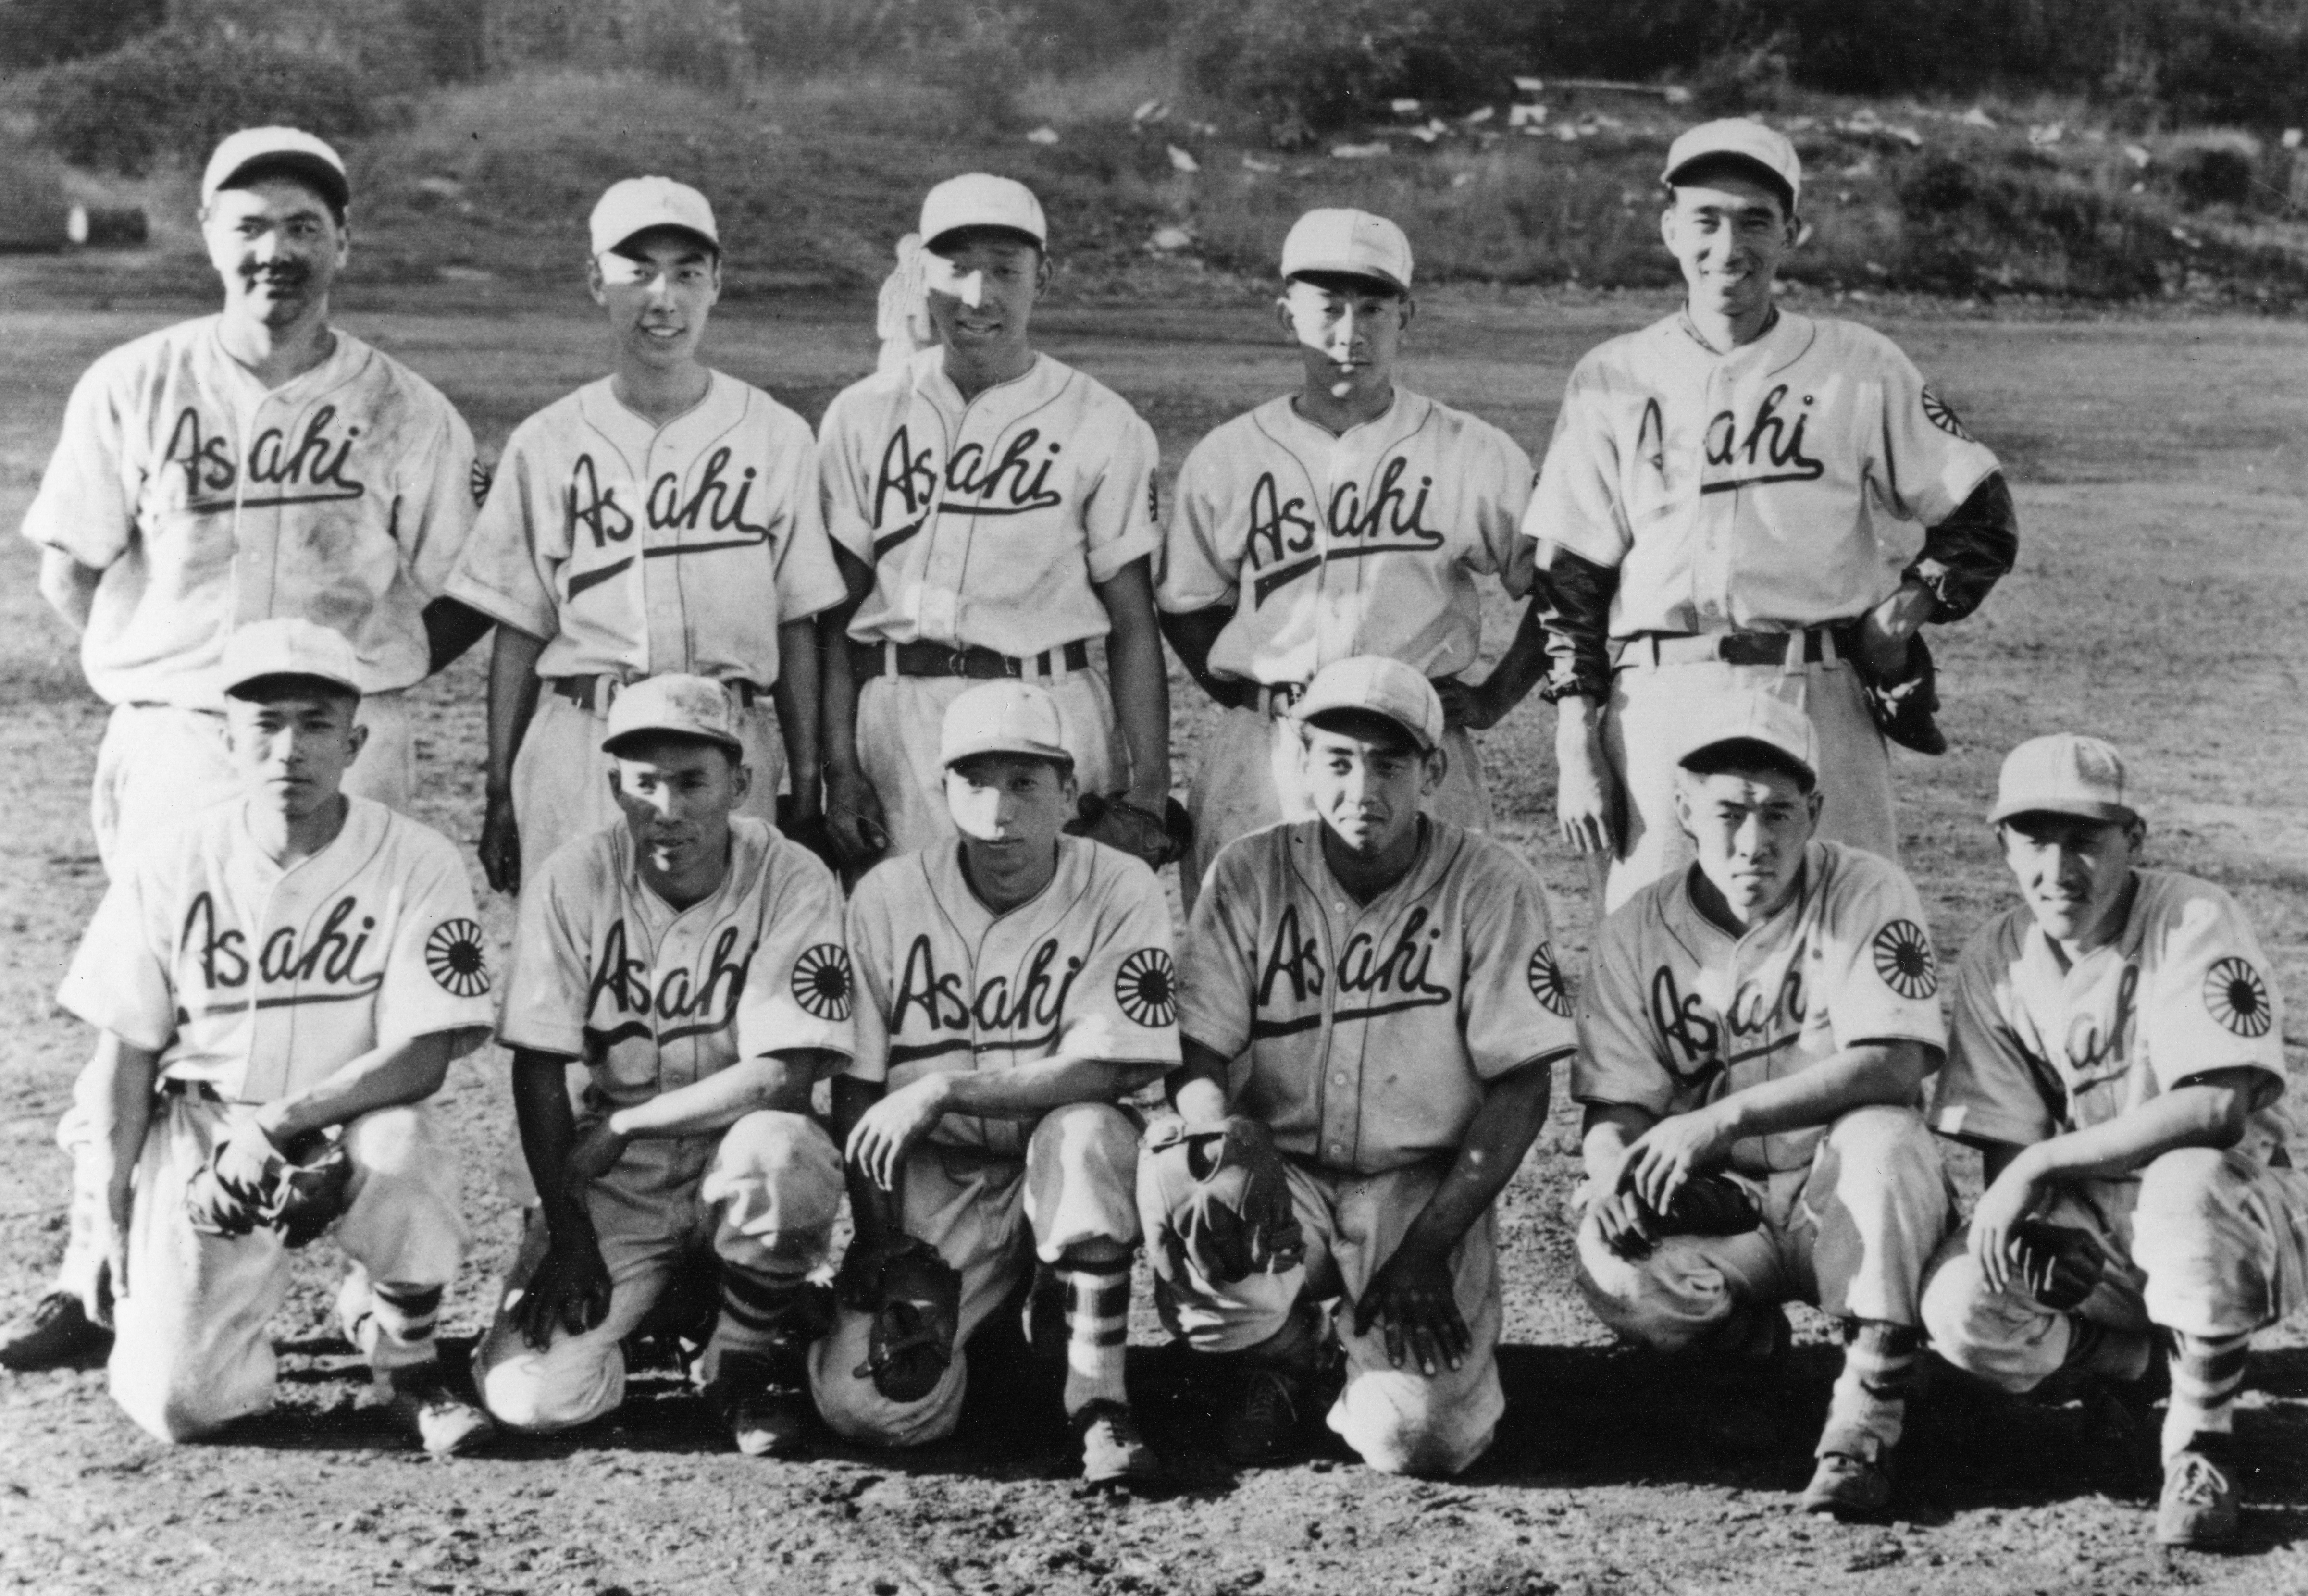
x=1338, y=1080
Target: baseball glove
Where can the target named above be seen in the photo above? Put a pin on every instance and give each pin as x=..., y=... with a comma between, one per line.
x=302, y=1191
x=914, y=1297
x=1902, y=705
x=1710, y=1206
x=1118, y=823
x=2061, y=1264
x=1224, y=1203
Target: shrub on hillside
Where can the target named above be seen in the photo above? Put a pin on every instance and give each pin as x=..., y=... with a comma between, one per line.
x=173, y=93
x=40, y=32
x=1310, y=66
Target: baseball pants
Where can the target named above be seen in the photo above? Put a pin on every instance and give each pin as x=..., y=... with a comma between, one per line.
x=2206, y=1242
x=1850, y=1233
x=991, y=1217
x=189, y=1353
x=763, y=1195
x=1249, y=777
x=1651, y=715
x=900, y=718
x=158, y=764
x=560, y=776
x=1400, y=1420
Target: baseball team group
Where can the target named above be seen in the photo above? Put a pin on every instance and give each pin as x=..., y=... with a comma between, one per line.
x=831, y=771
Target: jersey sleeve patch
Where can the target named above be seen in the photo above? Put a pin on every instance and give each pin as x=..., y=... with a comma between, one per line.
x=1546, y=982
x=478, y=480
x=821, y=983
x=2237, y=996
x=453, y=953
x=1903, y=958
x=1147, y=988
x=1938, y=412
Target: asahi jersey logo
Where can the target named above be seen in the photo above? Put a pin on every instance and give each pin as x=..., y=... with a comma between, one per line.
x=935, y=1007
x=974, y=480
x=629, y=996
x=328, y=961
x=309, y=464
x=1287, y=538
x=1374, y=974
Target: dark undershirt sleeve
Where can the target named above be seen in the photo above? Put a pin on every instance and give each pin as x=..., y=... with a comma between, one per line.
x=1968, y=554
x=1575, y=598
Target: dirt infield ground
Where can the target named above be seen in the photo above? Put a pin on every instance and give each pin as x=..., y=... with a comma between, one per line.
x=2161, y=472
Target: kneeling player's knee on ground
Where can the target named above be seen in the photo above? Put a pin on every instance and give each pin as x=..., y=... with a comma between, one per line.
x=1397, y=1423
x=1979, y=1330
x=571, y=1382
x=855, y=1409
x=1669, y=1300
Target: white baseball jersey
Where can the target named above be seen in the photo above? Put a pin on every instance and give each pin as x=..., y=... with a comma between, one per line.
x=1784, y=485
x=636, y=550
x=260, y=982
x=947, y=986
x=1365, y=1035
x=1676, y=1012
x=1329, y=546
x=986, y=522
x=343, y=496
x=2041, y=1047
x=652, y=998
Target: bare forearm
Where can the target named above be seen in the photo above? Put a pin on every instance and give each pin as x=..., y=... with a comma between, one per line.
x=2201, y=1115
x=125, y=1077
x=401, y=1072
x=1141, y=683
x=779, y=1081
x=795, y=694
x=69, y=586
x=1034, y=1089
x=1889, y=1073
x=1609, y=1130
x=512, y=700
x=548, y=1130
x=1513, y=1112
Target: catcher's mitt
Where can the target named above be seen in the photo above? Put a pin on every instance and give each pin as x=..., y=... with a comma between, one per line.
x=1223, y=1201
x=1118, y=823
x=1902, y=705
x=1710, y=1206
x=304, y=1192
x=914, y=1297
x=2060, y=1263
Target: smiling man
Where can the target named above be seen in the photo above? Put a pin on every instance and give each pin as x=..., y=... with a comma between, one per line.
x=1753, y=1034
x=1739, y=500
x=663, y=520
x=2118, y=1059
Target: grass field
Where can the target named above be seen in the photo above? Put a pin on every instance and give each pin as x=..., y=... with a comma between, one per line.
x=2162, y=474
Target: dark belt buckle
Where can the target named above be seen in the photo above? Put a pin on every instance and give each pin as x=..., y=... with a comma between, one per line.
x=1754, y=649
x=957, y=664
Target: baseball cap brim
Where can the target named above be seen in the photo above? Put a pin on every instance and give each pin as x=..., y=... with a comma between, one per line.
x=624, y=741
x=309, y=169
x=2080, y=809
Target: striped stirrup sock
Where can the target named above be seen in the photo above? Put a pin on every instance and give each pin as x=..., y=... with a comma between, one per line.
x=1098, y=1326
x=2207, y=1371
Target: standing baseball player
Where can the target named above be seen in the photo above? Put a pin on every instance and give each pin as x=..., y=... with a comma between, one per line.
x=1730, y=506
x=251, y=464
x=664, y=519
x=1754, y=1033
x=278, y=984
x=1379, y=987
x=2117, y=1057
x=689, y=958
x=1351, y=517
x=1014, y=988
x=992, y=512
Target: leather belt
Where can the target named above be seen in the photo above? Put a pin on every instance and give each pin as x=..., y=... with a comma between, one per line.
x=940, y=659
x=1817, y=645
x=595, y=694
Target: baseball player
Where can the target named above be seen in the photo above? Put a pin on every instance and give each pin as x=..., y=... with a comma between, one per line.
x=663, y=519
x=689, y=958
x=992, y=511
x=251, y=464
x=278, y=984
x=2117, y=1056
x=1731, y=505
x=1351, y=517
x=1754, y=1031
x=1373, y=993
x=1014, y=988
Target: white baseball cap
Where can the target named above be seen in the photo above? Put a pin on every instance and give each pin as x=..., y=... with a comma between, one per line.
x=1350, y=243
x=675, y=705
x=1011, y=717
x=289, y=645
x=287, y=149
x=981, y=199
x=1745, y=140
x=2063, y=774
x=636, y=204
x=1374, y=684
x=1758, y=717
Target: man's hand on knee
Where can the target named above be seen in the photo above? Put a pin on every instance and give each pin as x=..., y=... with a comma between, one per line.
x=1414, y=1299
x=569, y=1292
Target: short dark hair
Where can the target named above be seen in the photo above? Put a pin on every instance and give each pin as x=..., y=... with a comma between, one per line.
x=1726, y=164
x=1368, y=724
x=1738, y=754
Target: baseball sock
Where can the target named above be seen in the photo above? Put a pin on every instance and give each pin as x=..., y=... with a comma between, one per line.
x=1097, y=1325
x=759, y=1312
x=2206, y=1372
x=1871, y=1394
x=2105, y=1350
x=395, y=1324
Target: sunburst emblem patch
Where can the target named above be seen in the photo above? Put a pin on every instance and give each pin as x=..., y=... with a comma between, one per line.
x=2238, y=998
x=1937, y=411
x=1546, y=983
x=453, y=953
x=479, y=480
x=1147, y=988
x=821, y=981
x=1903, y=958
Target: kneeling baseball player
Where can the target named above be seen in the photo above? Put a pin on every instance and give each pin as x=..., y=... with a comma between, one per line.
x=1381, y=987
x=1014, y=988
x=1754, y=1034
x=2117, y=1056
x=689, y=957
x=279, y=986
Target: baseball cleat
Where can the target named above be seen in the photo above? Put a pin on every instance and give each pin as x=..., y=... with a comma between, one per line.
x=56, y=1334
x=444, y=1423
x=765, y=1407
x=1113, y=1452
x=1846, y=1486
x=1263, y=1429
x=2198, y=1506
